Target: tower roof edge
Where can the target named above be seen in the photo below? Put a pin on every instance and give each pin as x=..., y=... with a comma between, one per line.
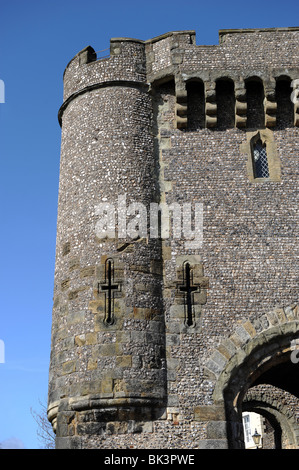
x=222, y=32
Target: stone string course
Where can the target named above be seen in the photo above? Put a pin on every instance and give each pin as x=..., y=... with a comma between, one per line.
x=149, y=380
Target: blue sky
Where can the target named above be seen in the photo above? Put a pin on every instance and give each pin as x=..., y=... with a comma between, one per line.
x=37, y=40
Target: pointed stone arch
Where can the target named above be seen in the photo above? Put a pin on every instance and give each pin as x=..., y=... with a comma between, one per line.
x=253, y=348
x=271, y=402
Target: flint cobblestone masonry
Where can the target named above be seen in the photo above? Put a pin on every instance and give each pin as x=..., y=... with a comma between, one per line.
x=148, y=379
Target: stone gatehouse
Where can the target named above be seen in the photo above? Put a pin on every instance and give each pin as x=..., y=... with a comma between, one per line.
x=165, y=331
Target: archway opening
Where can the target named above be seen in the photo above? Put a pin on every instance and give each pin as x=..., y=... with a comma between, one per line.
x=269, y=367
x=257, y=420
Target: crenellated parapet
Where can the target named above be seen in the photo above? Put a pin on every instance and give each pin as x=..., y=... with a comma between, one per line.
x=175, y=55
x=126, y=63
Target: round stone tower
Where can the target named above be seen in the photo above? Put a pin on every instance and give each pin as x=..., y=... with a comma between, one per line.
x=107, y=370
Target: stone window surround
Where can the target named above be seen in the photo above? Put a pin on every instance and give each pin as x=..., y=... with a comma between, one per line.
x=274, y=164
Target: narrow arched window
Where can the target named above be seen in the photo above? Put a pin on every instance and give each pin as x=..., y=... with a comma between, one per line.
x=109, y=287
x=255, y=104
x=188, y=288
x=285, y=107
x=195, y=105
x=260, y=160
x=225, y=99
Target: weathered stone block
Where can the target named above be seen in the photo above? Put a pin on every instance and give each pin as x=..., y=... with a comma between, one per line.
x=209, y=413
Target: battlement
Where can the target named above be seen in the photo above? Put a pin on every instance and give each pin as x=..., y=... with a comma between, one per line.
x=264, y=55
